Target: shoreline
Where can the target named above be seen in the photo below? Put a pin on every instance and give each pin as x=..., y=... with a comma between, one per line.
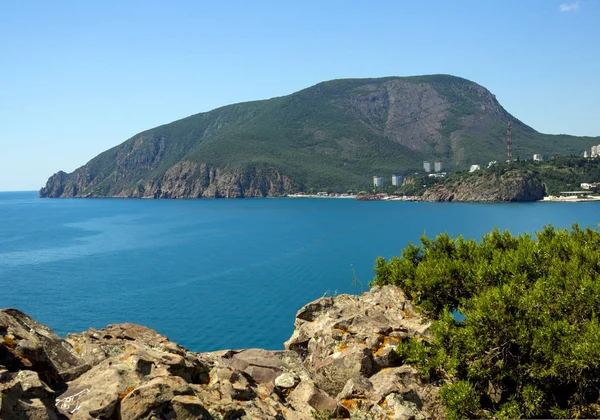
x=320, y=196
x=354, y=196
x=556, y=199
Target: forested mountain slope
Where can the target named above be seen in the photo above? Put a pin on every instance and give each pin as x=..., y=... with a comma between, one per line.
x=332, y=136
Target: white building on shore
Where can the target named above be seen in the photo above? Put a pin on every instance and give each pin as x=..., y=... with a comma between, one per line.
x=438, y=166
x=377, y=181
x=427, y=167
x=474, y=168
x=396, y=180
x=589, y=185
x=537, y=157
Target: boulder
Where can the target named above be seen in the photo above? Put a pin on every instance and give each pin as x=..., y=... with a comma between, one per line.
x=377, y=320
x=348, y=346
x=97, y=393
x=188, y=407
x=408, y=389
x=286, y=381
x=25, y=396
x=154, y=398
x=28, y=345
x=333, y=372
x=156, y=353
x=308, y=397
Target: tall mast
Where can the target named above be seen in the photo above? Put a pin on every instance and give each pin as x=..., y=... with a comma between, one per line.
x=508, y=143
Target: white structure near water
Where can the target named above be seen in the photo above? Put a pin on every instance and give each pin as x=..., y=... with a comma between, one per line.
x=589, y=185
x=438, y=166
x=377, y=181
x=474, y=168
x=537, y=157
x=427, y=166
x=396, y=180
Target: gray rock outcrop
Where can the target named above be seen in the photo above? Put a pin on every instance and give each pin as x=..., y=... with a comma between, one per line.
x=489, y=187
x=185, y=179
x=339, y=362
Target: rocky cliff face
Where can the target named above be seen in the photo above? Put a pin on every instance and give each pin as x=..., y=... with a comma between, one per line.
x=340, y=361
x=185, y=179
x=489, y=187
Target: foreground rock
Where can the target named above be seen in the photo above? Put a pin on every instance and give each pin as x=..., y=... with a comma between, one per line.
x=486, y=186
x=347, y=344
x=340, y=362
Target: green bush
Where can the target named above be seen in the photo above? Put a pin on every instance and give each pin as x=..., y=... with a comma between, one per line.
x=460, y=399
x=529, y=345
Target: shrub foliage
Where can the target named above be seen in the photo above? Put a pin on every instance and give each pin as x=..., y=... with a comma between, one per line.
x=529, y=343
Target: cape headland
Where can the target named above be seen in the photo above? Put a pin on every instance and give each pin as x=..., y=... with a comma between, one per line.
x=513, y=185
x=334, y=136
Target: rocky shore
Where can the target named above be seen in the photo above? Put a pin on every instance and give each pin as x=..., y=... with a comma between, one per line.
x=339, y=363
x=512, y=186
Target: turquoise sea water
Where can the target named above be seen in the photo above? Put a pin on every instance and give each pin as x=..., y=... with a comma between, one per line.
x=214, y=274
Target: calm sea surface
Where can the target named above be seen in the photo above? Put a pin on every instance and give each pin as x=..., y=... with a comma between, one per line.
x=214, y=274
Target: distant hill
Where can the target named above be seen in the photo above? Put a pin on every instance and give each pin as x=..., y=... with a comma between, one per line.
x=332, y=136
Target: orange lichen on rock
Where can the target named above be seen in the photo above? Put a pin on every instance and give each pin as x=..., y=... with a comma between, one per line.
x=352, y=403
x=385, y=341
x=342, y=346
x=9, y=341
x=23, y=359
x=127, y=392
x=408, y=314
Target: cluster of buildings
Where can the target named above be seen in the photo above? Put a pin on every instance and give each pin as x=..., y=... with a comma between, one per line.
x=428, y=168
x=594, y=153
x=536, y=158
x=396, y=181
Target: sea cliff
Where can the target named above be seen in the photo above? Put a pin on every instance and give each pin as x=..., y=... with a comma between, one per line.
x=339, y=362
x=489, y=187
x=185, y=179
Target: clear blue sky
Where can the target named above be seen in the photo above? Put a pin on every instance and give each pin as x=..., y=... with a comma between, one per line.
x=78, y=77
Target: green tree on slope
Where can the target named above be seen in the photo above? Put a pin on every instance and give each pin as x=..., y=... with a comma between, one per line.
x=529, y=345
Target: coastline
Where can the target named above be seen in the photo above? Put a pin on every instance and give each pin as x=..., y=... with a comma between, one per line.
x=321, y=196
x=558, y=199
x=376, y=197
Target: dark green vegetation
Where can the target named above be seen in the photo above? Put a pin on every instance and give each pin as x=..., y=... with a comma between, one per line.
x=333, y=136
x=530, y=343
x=539, y=178
x=559, y=174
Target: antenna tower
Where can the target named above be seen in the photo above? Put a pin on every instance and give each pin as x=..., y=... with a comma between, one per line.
x=508, y=143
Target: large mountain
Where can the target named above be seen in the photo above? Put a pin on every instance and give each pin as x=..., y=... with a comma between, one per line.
x=335, y=135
